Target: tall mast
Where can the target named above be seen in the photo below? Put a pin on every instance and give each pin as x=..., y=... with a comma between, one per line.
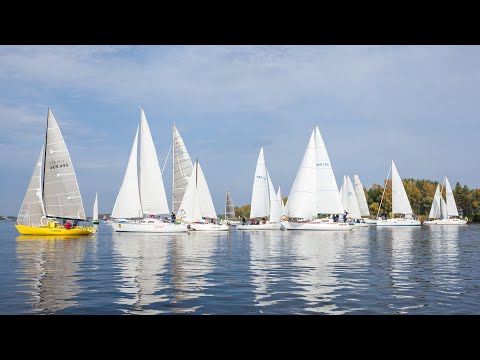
x=173, y=167
x=44, y=158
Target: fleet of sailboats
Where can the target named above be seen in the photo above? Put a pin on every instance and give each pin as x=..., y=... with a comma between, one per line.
x=53, y=204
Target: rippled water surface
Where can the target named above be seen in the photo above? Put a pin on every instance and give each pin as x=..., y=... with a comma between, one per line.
x=366, y=271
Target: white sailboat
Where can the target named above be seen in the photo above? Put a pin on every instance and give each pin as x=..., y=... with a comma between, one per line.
x=142, y=194
x=197, y=209
x=48, y=203
x=95, y=210
x=362, y=200
x=314, y=191
x=350, y=203
x=444, y=212
x=182, y=169
x=265, y=202
x=229, y=217
x=400, y=203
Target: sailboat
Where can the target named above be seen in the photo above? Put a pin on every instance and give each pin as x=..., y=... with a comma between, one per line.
x=230, y=210
x=197, y=209
x=444, y=212
x=265, y=202
x=53, y=196
x=362, y=200
x=314, y=192
x=400, y=203
x=279, y=197
x=350, y=203
x=142, y=195
x=95, y=210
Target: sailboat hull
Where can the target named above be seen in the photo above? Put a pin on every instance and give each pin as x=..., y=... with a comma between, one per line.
x=267, y=226
x=95, y=222
x=147, y=227
x=209, y=227
x=60, y=230
x=316, y=226
x=445, y=222
x=398, y=222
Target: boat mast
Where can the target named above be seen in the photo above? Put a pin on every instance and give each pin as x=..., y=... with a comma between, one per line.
x=44, y=159
x=173, y=167
x=226, y=199
x=384, y=189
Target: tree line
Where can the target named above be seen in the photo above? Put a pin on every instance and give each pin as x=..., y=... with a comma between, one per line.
x=419, y=192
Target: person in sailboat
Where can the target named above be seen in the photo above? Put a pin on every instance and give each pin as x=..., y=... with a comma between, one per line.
x=345, y=215
x=264, y=221
x=243, y=220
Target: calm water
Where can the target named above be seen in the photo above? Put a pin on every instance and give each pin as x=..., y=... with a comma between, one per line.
x=366, y=271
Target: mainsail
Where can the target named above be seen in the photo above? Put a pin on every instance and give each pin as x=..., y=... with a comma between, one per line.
x=279, y=196
x=182, y=169
x=435, y=212
x=32, y=212
x=61, y=194
x=352, y=203
x=275, y=204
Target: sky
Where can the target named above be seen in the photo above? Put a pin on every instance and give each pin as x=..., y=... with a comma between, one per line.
x=417, y=105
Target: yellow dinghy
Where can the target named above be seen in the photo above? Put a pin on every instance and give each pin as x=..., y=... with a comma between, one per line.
x=55, y=229
x=53, y=194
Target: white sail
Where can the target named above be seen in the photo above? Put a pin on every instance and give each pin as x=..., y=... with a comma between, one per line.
x=352, y=202
x=61, y=195
x=197, y=201
x=95, y=208
x=229, y=208
x=451, y=205
x=360, y=194
x=400, y=203
x=182, y=169
x=444, y=208
x=32, y=212
x=260, y=204
x=152, y=191
x=279, y=197
x=435, y=212
x=275, y=204
x=302, y=200
x=128, y=203
x=328, y=199
x=343, y=193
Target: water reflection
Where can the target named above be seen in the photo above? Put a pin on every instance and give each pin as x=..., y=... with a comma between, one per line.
x=315, y=257
x=192, y=263
x=265, y=265
x=143, y=265
x=50, y=269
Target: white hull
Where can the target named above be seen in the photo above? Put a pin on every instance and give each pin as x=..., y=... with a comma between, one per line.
x=398, y=222
x=445, y=222
x=315, y=225
x=370, y=222
x=209, y=227
x=357, y=225
x=267, y=226
x=149, y=227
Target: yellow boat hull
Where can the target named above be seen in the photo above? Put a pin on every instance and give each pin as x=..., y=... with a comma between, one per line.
x=57, y=231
